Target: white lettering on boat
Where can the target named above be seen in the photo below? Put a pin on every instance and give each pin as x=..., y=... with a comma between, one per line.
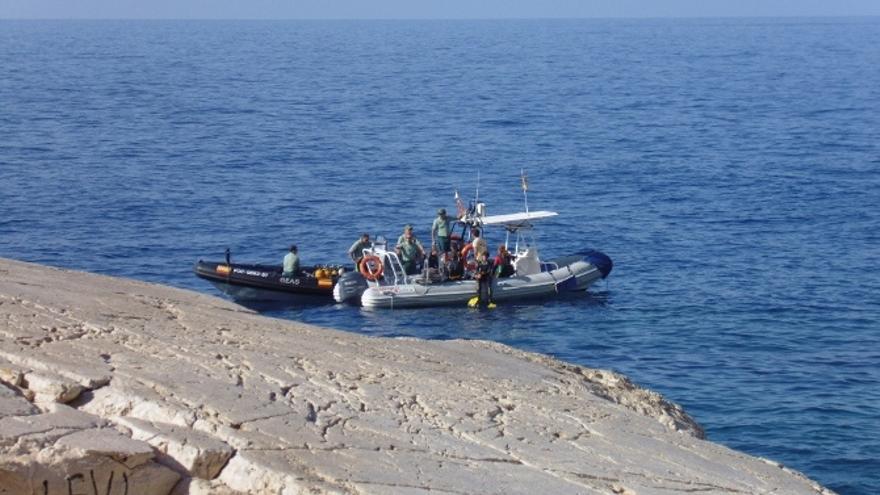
x=252, y=273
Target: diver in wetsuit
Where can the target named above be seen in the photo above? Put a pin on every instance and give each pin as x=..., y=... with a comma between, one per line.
x=483, y=274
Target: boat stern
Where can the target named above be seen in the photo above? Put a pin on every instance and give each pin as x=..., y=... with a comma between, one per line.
x=349, y=288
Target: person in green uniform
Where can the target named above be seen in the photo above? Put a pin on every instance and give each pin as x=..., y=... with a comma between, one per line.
x=440, y=231
x=291, y=263
x=410, y=250
x=356, y=251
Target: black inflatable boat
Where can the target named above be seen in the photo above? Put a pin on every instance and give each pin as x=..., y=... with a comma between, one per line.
x=245, y=282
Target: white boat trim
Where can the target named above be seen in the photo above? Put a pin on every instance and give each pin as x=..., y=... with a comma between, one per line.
x=516, y=220
x=533, y=277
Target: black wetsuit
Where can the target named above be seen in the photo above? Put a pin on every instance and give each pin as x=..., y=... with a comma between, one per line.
x=484, y=280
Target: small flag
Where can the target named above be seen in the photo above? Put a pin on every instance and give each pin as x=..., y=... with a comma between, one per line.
x=459, y=205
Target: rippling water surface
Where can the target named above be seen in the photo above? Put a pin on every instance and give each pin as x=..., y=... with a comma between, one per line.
x=730, y=167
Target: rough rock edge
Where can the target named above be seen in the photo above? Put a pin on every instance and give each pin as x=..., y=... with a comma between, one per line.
x=608, y=385
x=613, y=387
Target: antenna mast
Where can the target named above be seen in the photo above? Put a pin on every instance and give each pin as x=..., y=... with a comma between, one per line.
x=477, y=197
x=525, y=187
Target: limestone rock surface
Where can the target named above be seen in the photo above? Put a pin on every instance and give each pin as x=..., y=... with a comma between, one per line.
x=170, y=391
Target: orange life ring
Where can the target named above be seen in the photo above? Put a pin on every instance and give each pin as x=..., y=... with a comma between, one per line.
x=364, y=267
x=465, y=251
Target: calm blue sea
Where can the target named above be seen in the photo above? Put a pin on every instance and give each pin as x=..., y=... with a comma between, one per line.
x=731, y=168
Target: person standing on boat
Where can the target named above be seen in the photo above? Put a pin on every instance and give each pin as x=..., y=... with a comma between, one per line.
x=410, y=250
x=440, y=231
x=356, y=251
x=291, y=263
x=480, y=245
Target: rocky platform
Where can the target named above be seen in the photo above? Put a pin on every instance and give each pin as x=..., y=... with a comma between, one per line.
x=111, y=386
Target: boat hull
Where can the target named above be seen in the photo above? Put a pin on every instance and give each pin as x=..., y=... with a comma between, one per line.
x=255, y=283
x=569, y=274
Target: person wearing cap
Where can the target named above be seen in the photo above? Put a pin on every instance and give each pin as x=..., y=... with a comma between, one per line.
x=409, y=249
x=440, y=231
x=356, y=251
x=291, y=263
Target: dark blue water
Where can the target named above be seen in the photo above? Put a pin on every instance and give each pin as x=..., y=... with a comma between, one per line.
x=730, y=167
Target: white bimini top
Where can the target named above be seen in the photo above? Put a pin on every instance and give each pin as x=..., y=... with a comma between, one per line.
x=517, y=220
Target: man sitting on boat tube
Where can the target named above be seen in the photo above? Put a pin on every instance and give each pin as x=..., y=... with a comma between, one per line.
x=291, y=263
x=356, y=251
x=410, y=250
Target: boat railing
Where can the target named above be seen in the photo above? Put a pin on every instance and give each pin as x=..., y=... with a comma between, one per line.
x=392, y=268
x=396, y=266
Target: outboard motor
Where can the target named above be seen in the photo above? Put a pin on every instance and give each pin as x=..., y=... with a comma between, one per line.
x=349, y=288
x=600, y=260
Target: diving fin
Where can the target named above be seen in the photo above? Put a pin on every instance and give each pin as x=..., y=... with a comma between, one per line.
x=474, y=302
